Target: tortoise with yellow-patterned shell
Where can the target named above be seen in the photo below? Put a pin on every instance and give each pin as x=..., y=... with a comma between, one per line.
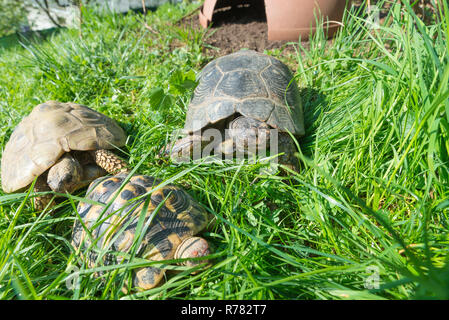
x=109, y=234
x=64, y=145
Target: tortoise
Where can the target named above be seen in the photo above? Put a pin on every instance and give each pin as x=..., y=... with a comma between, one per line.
x=173, y=218
x=245, y=94
x=65, y=145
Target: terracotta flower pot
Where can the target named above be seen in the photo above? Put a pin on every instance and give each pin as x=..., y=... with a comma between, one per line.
x=289, y=19
x=209, y=6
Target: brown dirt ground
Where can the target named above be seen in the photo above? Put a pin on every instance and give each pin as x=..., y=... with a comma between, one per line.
x=245, y=27
x=237, y=28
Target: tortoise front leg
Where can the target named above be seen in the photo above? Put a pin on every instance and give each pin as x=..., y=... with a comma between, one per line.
x=226, y=148
x=146, y=278
x=41, y=185
x=250, y=136
x=109, y=161
x=288, y=148
x=185, y=149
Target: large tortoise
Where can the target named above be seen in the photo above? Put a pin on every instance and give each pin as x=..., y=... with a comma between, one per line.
x=248, y=93
x=172, y=219
x=64, y=145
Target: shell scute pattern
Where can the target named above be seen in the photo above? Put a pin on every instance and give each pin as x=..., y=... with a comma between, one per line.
x=210, y=77
x=277, y=81
x=241, y=84
x=145, y=181
x=159, y=243
x=219, y=109
x=179, y=216
x=83, y=209
x=251, y=84
x=257, y=108
x=104, y=190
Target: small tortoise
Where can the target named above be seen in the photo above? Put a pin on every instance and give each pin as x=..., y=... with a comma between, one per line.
x=64, y=145
x=169, y=232
x=248, y=93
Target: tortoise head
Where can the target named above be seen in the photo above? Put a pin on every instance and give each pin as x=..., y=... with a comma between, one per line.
x=65, y=175
x=192, y=247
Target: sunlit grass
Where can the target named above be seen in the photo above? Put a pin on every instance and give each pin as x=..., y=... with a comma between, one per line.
x=370, y=202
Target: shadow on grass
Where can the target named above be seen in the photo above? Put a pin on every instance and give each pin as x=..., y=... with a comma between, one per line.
x=15, y=40
x=314, y=104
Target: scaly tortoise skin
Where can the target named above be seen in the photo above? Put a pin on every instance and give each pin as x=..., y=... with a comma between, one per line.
x=170, y=235
x=244, y=90
x=64, y=145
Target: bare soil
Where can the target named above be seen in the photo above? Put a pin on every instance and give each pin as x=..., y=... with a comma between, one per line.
x=245, y=26
x=240, y=27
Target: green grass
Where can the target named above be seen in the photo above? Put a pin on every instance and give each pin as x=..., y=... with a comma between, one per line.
x=371, y=198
